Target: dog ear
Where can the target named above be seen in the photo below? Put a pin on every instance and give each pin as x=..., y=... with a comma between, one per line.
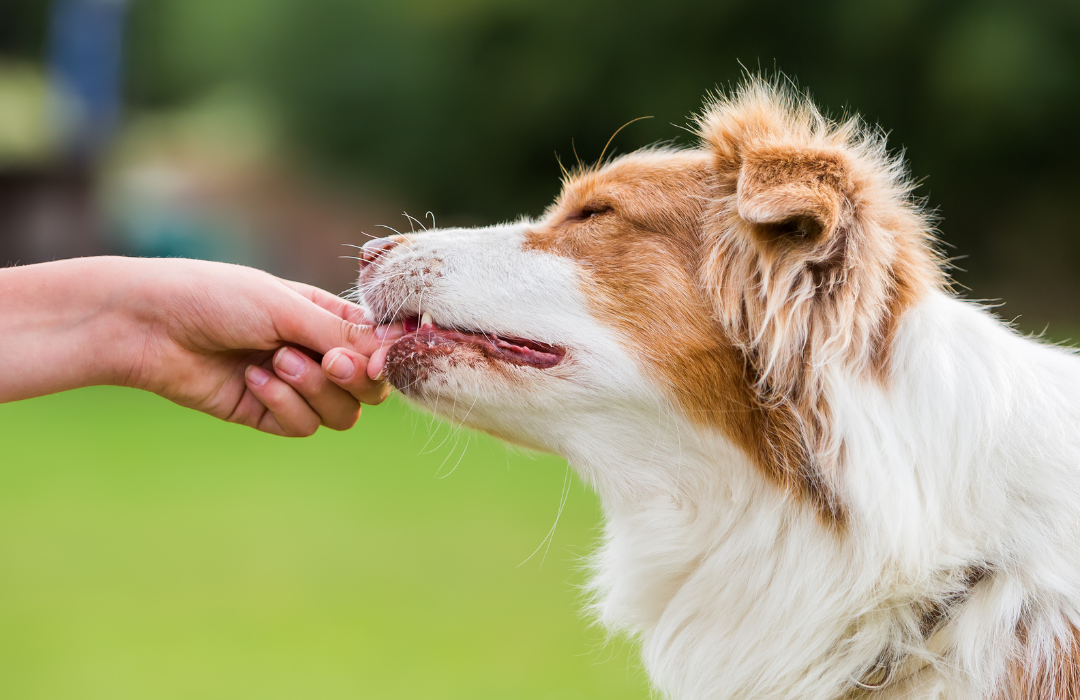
x=812, y=252
x=793, y=195
x=813, y=246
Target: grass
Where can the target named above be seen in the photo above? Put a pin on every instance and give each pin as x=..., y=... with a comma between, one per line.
x=151, y=552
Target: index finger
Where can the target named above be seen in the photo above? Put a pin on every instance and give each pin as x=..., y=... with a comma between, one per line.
x=342, y=308
x=301, y=321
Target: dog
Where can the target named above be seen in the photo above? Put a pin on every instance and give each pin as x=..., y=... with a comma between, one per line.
x=823, y=474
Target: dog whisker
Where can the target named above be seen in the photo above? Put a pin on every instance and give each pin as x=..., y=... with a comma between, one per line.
x=413, y=219
x=843, y=451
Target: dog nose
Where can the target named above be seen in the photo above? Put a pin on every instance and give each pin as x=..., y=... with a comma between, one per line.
x=375, y=249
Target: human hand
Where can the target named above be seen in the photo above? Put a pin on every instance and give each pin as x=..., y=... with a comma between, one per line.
x=214, y=342
x=231, y=341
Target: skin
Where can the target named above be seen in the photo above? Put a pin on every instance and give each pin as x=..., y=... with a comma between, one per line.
x=234, y=342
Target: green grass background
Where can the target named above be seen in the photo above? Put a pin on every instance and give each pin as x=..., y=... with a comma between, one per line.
x=150, y=552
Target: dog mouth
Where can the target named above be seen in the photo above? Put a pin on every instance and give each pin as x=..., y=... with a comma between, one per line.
x=425, y=339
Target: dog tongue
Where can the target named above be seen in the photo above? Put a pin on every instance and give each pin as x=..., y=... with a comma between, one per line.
x=515, y=350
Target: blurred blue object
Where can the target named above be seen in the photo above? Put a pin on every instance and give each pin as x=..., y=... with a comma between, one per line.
x=85, y=53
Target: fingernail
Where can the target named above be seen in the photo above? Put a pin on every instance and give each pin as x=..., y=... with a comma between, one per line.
x=341, y=367
x=289, y=362
x=380, y=331
x=257, y=375
x=377, y=364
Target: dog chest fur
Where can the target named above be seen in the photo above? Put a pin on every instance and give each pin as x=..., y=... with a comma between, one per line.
x=823, y=475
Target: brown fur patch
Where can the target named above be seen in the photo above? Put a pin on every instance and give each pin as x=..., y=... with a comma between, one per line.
x=642, y=256
x=1038, y=675
x=742, y=271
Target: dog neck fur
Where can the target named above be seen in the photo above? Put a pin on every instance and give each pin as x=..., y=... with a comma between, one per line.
x=814, y=461
x=814, y=250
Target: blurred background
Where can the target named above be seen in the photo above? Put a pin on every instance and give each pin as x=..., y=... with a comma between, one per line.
x=147, y=553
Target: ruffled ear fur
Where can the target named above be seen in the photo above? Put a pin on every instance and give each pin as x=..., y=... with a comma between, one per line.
x=814, y=249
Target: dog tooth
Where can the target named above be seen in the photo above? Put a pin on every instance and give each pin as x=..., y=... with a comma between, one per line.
x=425, y=320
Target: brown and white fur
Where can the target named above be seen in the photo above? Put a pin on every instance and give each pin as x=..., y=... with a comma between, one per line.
x=823, y=475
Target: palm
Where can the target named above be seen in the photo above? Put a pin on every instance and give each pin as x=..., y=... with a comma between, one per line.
x=214, y=383
x=207, y=336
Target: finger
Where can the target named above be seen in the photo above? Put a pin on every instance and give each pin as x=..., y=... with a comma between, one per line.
x=287, y=413
x=336, y=408
x=304, y=323
x=389, y=333
x=249, y=410
x=349, y=370
x=377, y=363
x=342, y=308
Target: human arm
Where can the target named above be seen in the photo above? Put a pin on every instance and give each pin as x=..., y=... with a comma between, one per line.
x=195, y=332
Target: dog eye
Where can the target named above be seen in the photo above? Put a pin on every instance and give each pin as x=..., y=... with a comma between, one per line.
x=589, y=211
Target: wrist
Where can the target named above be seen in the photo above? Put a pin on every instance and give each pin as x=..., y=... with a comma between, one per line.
x=67, y=324
x=122, y=327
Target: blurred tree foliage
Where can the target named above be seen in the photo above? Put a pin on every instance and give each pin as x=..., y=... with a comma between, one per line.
x=459, y=106
x=23, y=28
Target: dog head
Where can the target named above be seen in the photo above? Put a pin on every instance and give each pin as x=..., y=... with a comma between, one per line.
x=720, y=285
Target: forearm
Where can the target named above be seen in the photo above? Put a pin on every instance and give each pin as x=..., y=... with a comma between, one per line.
x=65, y=325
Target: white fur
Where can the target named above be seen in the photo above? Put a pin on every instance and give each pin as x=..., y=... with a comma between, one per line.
x=970, y=454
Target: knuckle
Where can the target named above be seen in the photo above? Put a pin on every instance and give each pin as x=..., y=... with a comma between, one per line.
x=303, y=425
x=267, y=422
x=292, y=431
x=275, y=394
x=356, y=336
x=244, y=418
x=248, y=414
x=351, y=333
x=344, y=422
